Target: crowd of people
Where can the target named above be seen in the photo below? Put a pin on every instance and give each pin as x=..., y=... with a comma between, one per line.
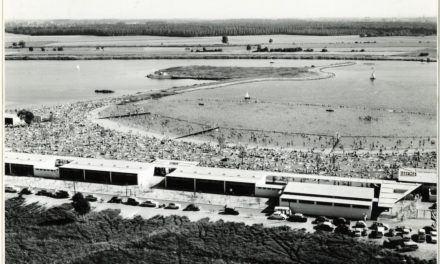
x=72, y=133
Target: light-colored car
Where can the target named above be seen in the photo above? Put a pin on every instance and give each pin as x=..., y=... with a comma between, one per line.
x=277, y=216
x=174, y=206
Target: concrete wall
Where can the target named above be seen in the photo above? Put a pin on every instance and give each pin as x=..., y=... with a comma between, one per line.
x=329, y=211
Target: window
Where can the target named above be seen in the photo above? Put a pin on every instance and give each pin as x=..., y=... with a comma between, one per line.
x=360, y=206
x=341, y=205
x=306, y=202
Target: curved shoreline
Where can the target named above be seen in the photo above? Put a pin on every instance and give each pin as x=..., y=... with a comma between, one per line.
x=114, y=124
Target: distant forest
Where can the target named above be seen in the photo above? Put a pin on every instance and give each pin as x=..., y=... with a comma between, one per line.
x=182, y=28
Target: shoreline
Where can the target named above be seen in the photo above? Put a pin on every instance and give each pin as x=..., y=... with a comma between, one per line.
x=219, y=57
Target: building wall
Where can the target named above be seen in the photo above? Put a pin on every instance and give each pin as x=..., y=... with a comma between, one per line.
x=47, y=173
x=266, y=192
x=327, y=210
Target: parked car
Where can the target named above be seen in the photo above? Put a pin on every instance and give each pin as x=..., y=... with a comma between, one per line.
x=390, y=233
x=173, y=206
x=44, y=192
x=283, y=209
x=320, y=220
x=229, y=211
x=61, y=194
x=115, y=199
x=10, y=189
x=26, y=191
x=341, y=221
x=376, y=225
x=429, y=229
x=343, y=229
x=277, y=216
x=406, y=237
x=432, y=237
x=403, y=229
x=325, y=226
x=91, y=198
x=191, y=207
x=421, y=236
x=297, y=217
x=360, y=224
x=132, y=201
x=150, y=203
x=377, y=233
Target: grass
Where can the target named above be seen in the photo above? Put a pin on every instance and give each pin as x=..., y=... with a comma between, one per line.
x=226, y=73
x=34, y=235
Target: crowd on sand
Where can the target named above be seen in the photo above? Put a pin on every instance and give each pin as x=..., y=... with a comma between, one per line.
x=72, y=133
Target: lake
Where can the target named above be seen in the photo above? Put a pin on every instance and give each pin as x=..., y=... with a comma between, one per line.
x=400, y=85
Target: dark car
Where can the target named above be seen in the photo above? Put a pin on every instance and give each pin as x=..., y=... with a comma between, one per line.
x=115, y=199
x=44, y=192
x=429, y=229
x=91, y=198
x=173, y=206
x=132, y=201
x=325, y=226
x=376, y=225
x=297, y=218
x=10, y=189
x=229, y=211
x=149, y=203
x=341, y=221
x=390, y=233
x=61, y=194
x=25, y=191
x=343, y=229
x=320, y=220
x=375, y=234
x=191, y=207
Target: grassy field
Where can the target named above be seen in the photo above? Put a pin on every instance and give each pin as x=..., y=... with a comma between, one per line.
x=37, y=235
x=226, y=73
x=137, y=47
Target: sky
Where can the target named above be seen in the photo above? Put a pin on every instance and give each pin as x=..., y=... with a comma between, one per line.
x=216, y=9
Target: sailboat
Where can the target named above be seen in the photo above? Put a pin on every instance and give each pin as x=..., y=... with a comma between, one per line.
x=372, y=77
x=247, y=97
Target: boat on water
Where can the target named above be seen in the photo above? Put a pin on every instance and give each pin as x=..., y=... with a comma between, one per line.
x=372, y=77
x=247, y=97
x=104, y=91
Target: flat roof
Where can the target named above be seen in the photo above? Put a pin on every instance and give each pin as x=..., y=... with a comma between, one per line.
x=218, y=174
x=46, y=161
x=329, y=190
x=107, y=165
x=163, y=162
x=418, y=175
x=324, y=199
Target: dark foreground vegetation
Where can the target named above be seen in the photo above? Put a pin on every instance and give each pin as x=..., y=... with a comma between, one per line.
x=226, y=73
x=185, y=28
x=58, y=235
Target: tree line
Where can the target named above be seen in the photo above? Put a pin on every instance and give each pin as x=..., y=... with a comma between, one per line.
x=229, y=28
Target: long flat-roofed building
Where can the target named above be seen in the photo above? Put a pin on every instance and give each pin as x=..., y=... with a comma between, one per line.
x=214, y=180
x=328, y=200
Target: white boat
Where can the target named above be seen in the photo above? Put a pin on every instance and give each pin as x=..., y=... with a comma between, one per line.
x=372, y=77
x=247, y=97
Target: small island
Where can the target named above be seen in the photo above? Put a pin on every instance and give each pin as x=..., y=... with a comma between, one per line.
x=227, y=73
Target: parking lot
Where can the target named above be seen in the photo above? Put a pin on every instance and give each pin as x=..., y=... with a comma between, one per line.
x=249, y=216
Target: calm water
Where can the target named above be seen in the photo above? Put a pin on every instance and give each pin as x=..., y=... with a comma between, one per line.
x=399, y=85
